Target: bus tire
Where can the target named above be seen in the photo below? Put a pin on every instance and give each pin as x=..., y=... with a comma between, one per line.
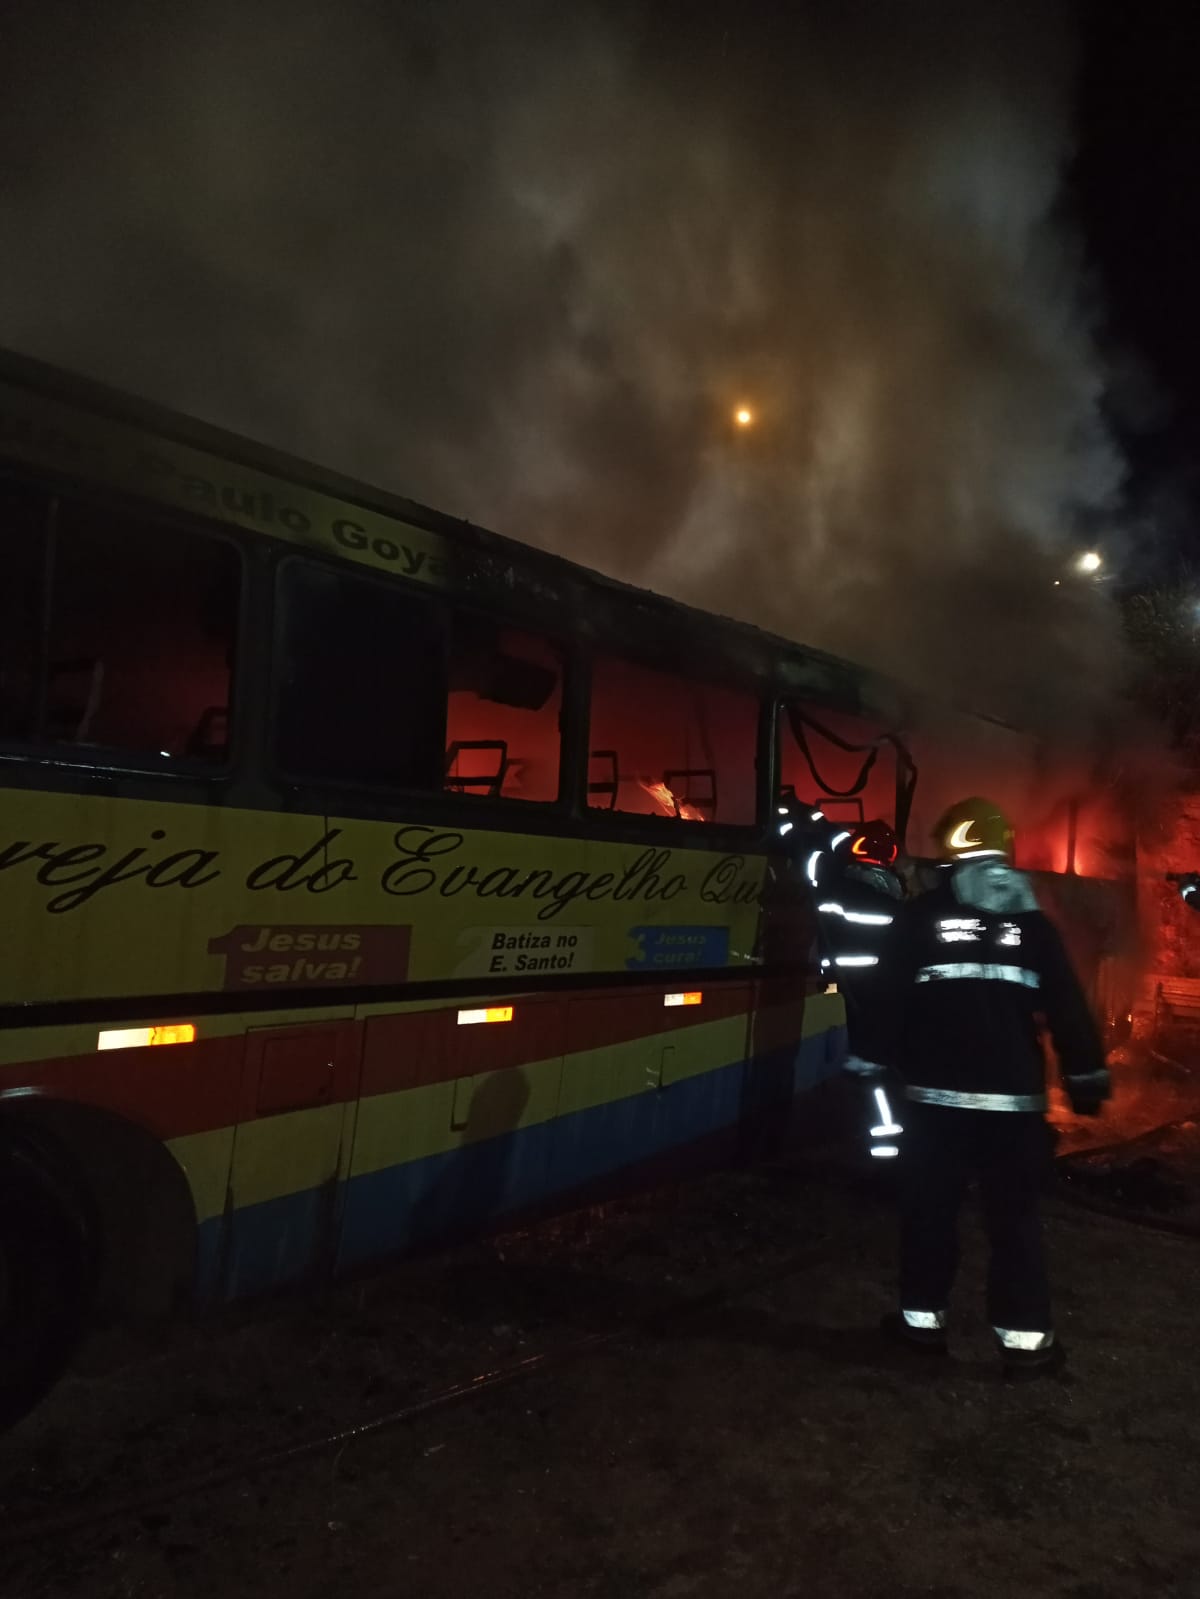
x=48, y=1272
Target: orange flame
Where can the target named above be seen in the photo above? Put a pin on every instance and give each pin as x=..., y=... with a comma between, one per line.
x=669, y=805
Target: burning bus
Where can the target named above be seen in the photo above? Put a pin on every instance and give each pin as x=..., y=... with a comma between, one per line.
x=369, y=879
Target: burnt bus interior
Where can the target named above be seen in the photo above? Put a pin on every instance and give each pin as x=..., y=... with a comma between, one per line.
x=845, y=765
x=120, y=635
x=115, y=634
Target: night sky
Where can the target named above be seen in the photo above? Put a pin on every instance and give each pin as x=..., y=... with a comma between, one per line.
x=1137, y=195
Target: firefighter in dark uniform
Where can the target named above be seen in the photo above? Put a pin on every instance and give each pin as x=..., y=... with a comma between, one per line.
x=849, y=870
x=849, y=873
x=858, y=893
x=971, y=969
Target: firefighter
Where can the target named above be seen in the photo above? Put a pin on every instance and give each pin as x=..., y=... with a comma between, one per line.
x=858, y=892
x=808, y=840
x=968, y=969
x=852, y=874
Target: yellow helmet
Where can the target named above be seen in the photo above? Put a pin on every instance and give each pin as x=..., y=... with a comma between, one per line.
x=972, y=828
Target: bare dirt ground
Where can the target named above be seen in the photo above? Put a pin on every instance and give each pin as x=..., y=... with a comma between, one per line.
x=770, y=1446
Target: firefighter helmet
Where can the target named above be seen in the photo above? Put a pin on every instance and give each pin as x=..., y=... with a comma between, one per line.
x=973, y=828
x=872, y=844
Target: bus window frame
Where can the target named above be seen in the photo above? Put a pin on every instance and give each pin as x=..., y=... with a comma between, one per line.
x=898, y=753
x=368, y=798
x=250, y=770
x=110, y=760
x=648, y=824
x=569, y=653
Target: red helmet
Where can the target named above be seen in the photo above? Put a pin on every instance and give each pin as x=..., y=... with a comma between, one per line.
x=872, y=844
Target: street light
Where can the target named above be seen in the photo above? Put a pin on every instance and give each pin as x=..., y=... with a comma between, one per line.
x=1090, y=561
x=743, y=416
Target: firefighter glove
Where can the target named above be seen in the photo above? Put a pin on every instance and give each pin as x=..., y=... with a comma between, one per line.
x=1088, y=1093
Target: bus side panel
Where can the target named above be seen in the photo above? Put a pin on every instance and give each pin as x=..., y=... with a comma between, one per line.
x=453, y=1124
x=291, y=1155
x=644, y=1079
x=805, y=1033
x=591, y=1091
x=293, y=1161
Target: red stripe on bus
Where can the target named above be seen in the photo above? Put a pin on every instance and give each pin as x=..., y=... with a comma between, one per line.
x=219, y=1082
x=407, y=1051
x=186, y=1088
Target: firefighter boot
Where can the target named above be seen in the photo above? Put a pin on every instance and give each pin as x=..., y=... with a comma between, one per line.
x=921, y=1340
x=1019, y=1364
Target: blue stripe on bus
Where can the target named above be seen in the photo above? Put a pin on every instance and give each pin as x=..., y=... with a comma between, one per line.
x=461, y=1191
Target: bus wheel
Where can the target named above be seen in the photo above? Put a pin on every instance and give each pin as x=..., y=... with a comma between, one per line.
x=48, y=1259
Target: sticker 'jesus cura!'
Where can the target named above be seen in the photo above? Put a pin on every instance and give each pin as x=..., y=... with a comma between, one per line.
x=315, y=954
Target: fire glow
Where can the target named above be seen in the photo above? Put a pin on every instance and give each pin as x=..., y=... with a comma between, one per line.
x=669, y=805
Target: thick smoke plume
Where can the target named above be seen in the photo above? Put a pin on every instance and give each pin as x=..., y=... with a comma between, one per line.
x=522, y=261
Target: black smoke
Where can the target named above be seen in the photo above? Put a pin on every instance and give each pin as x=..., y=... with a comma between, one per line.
x=521, y=261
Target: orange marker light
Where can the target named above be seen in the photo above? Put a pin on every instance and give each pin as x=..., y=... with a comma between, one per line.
x=494, y=1013
x=683, y=999
x=141, y=1037
x=177, y=1033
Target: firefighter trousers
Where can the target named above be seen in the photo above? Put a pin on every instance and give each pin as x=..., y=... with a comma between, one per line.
x=1007, y=1153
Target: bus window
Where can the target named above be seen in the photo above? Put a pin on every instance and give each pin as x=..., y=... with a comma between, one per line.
x=361, y=679
x=137, y=651
x=502, y=723
x=836, y=761
x=662, y=745
x=22, y=530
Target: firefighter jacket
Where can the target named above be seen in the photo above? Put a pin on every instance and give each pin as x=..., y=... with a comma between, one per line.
x=969, y=974
x=856, y=907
